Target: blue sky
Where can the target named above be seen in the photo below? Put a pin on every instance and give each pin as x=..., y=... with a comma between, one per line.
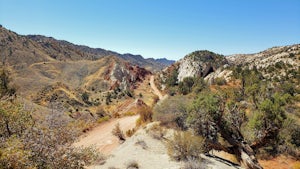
x=159, y=28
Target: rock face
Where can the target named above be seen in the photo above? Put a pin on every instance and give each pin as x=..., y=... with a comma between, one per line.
x=273, y=63
x=199, y=63
x=125, y=75
x=196, y=64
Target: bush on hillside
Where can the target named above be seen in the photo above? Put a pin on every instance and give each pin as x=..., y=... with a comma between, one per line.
x=184, y=145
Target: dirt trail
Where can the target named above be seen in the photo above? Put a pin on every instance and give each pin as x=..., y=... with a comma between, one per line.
x=155, y=90
x=101, y=136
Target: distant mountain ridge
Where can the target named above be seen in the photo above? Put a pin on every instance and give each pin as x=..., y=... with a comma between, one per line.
x=96, y=53
x=62, y=50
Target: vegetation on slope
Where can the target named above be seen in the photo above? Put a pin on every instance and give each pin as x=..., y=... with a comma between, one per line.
x=249, y=116
x=29, y=142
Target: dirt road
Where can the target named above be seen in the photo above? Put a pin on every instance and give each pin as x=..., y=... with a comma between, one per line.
x=101, y=136
x=154, y=88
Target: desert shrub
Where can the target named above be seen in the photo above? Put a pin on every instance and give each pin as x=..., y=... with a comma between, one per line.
x=13, y=155
x=184, y=145
x=156, y=131
x=118, y=132
x=130, y=113
x=172, y=78
x=132, y=165
x=5, y=87
x=116, y=115
x=85, y=97
x=100, y=112
x=279, y=65
x=155, y=99
x=39, y=144
x=103, y=119
x=130, y=132
x=199, y=85
x=186, y=85
x=172, y=111
x=141, y=143
x=219, y=81
x=145, y=114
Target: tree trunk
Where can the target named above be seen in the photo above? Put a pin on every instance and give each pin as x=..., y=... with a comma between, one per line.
x=247, y=157
x=241, y=149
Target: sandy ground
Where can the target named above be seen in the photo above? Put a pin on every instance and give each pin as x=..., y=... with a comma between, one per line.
x=154, y=156
x=101, y=136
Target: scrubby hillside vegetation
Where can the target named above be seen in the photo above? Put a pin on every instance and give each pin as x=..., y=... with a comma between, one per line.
x=53, y=93
x=246, y=105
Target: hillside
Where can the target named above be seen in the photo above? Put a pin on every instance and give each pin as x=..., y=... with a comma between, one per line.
x=64, y=104
x=68, y=77
x=244, y=105
x=274, y=63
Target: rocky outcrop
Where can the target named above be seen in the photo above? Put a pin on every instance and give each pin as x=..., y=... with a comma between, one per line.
x=125, y=76
x=200, y=63
x=276, y=62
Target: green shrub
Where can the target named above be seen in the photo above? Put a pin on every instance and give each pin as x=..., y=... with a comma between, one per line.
x=219, y=81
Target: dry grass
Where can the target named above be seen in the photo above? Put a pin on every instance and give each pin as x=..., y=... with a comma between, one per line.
x=280, y=162
x=184, y=145
x=156, y=131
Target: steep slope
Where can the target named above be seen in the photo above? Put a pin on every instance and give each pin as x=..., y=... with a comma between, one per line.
x=274, y=63
x=47, y=71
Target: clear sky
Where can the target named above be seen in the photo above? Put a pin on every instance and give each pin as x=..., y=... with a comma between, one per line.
x=159, y=28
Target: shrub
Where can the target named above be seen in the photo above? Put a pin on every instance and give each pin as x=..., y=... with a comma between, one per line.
x=184, y=146
x=132, y=165
x=130, y=132
x=142, y=143
x=156, y=131
x=155, y=99
x=219, y=81
x=145, y=115
x=85, y=97
x=118, y=132
x=172, y=111
x=103, y=119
